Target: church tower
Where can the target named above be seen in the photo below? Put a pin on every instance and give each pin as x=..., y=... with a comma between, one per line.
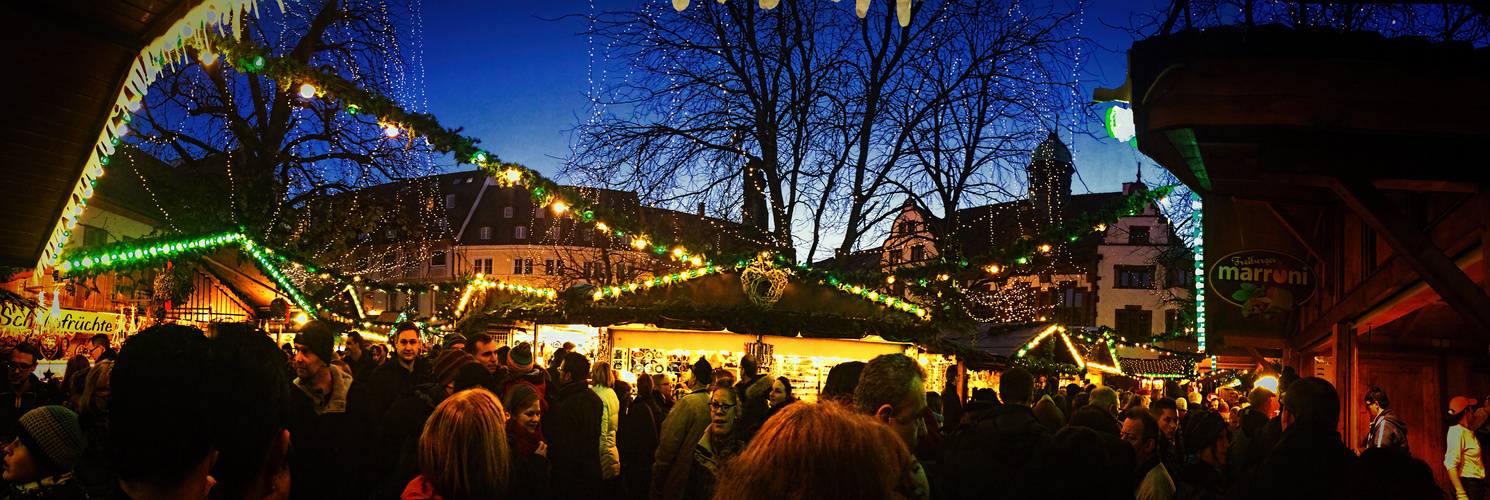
x=1050, y=172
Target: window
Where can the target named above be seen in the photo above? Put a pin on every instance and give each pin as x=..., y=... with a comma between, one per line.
x=1134, y=276
x=906, y=227
x=586, y=236
x=1134, y=323
x=1069, y=302
x=548, y=267
x=1173, y=321
x=93, y=236
x=620, y=270
x=444, y=224
x=1138, y=235
x=437, y=259
x=1177, y=275
x=388, y=260
x=918, y=253
x=483, y=266
x=391, y=234
x=553, y=232
x=507, y=212
x=450, y=202
x=522, y=266
x=521, y=232
x=485, y=232
x=540, y=213
x=591, y=269
x=893, y=255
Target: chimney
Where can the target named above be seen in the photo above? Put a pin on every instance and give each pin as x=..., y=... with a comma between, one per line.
x=700, y=209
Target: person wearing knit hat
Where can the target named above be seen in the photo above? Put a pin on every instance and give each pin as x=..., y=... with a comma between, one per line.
x=39, y=463
x=326, y=387
x=1206, y=444
x=520, y=358
x=447, y=365
x=453, y=342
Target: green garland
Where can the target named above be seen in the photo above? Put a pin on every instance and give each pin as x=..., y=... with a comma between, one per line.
x=249, y=57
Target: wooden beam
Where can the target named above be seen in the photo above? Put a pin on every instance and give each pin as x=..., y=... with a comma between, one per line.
x=1255, y=342
x=1283, y=216
x=1435, y=268
x=1257, y=356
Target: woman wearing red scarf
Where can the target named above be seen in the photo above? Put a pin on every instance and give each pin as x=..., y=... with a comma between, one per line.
x=525, y=434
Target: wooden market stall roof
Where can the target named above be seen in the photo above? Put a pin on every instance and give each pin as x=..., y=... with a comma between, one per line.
x=66, y=62
x=1294, y=127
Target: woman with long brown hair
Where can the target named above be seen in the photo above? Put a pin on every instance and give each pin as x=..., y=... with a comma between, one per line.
x=817, y=451
x=463, y=451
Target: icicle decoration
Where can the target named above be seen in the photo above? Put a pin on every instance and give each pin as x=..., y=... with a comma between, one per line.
x=164, y=52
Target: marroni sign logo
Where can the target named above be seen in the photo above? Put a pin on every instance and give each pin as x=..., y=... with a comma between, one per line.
x=1261, y=282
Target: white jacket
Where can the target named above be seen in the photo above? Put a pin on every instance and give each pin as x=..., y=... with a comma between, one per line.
x=610, y=457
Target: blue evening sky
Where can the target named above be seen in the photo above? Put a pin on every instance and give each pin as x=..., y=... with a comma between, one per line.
x=518, y=82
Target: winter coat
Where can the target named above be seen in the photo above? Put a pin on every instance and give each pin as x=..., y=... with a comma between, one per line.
x=1154, y=481
x=395, y=455
x=636, y=439
x=1003, y=445
x=610, y=418
x=13, y=405
x=1195, y=479
x=420, y=489
x=754, y=409
x=709, y=455
x=530, y=471
x=59, y=487
x=684, y=426
x=330, y=441
x=389, y=381
x=573, y=431
x=537, y=378
x=1387, y=431
x=1310, y=462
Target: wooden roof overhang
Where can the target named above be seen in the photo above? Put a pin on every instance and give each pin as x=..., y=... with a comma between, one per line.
x=1291, y=123
x=66, y=63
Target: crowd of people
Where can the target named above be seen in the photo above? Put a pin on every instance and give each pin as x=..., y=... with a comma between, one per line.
x=178, y=413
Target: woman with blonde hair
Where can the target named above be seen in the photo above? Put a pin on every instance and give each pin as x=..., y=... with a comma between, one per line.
x=817, y=451
x=93, y=403
x=603, y=381
x=463, y=451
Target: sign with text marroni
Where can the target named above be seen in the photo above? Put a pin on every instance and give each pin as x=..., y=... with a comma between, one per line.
x=1261, y=282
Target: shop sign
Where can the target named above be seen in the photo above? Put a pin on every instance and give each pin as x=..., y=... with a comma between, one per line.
x=1262, y=282
x=63, y=332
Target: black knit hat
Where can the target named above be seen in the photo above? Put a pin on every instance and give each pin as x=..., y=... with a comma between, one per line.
x=317, y=338
x=54, y=438
x=1203, y=429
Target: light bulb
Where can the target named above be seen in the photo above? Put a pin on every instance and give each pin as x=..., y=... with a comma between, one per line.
x=307, y=91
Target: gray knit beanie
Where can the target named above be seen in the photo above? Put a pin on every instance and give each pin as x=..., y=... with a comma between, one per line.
x=53, y=436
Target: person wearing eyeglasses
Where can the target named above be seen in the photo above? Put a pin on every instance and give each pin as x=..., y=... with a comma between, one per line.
x=720, y=443
x=26, y=391
x=99, y=349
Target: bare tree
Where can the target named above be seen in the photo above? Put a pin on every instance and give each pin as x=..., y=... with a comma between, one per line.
x=1436, y=21
x=249, y=152
x=823, y=122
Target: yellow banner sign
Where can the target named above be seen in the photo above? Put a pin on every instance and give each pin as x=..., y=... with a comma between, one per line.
x=20, y=321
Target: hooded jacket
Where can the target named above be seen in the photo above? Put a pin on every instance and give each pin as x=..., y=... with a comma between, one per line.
x=1387, y=431
x=573, y=432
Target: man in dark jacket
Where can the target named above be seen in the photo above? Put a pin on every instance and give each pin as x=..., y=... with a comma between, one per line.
x=1387, y=431
x=328, y=435
x=407, y=369
x=1002, y=445
x=754, y=388
x=356, y=357
x=1311, y=459
x=573, y=431
x=26, y=391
